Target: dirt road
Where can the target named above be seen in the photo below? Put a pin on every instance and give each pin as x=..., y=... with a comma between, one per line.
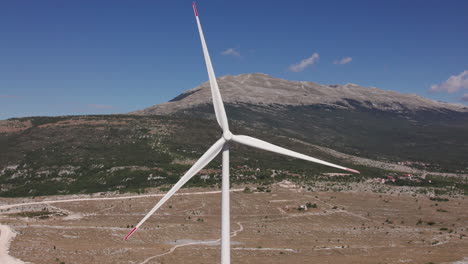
x=6, y=235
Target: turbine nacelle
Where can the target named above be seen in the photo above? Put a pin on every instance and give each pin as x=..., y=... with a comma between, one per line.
x=227, y=135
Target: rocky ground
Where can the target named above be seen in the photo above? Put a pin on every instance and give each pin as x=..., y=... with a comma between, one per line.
x=351, y=226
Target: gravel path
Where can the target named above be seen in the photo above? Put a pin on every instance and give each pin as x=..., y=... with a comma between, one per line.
x=6, y=235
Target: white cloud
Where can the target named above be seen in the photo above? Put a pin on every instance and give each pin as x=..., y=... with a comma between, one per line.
x=305, y=63
x=232, y=52
x=452, y=84
x=344, y=60
x=101, y=106
x=465, y=97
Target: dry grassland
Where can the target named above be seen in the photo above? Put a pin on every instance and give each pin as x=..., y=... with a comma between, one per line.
x=346, y=227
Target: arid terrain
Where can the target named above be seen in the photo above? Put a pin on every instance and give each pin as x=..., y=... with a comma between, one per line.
x=267, y=227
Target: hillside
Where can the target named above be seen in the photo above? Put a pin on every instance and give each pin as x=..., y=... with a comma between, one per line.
x=377, y=132
x=86, y=154
x=363, y=121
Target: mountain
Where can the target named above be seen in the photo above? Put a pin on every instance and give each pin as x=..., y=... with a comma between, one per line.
x=363, y=121
x=374, y=131
x=263, y=89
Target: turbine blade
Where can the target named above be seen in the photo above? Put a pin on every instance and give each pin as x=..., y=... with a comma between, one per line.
x=257, y=143
x=209, y=155
x=220, y=112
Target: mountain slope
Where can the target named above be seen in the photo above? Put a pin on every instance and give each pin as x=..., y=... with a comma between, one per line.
x=262, y=89
x=362, y=121
x=85, y=154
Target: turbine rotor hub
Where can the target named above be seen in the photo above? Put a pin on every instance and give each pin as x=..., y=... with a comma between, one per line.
x=227, y=135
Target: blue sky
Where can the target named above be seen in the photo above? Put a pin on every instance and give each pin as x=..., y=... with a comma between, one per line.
x=97, y=57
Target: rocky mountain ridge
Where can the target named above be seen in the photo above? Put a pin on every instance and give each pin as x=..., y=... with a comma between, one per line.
x=263, y=89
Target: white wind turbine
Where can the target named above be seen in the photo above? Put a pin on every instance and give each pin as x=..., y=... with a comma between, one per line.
x=223, y=145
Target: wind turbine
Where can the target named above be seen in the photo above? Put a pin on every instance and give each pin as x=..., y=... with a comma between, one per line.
x=222, y=145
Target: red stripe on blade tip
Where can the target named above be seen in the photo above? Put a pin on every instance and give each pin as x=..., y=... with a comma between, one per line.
x=351, y=170
x=131, y=232
x=195, y=8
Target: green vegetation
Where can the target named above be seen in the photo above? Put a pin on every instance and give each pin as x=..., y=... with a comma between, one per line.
x=393, y=136
x=247, y=190
x=440, y=185
x=88, y=154
x=438, y=199
x=44, y=214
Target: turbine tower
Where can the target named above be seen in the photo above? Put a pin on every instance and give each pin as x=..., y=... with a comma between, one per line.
x=222, y=145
